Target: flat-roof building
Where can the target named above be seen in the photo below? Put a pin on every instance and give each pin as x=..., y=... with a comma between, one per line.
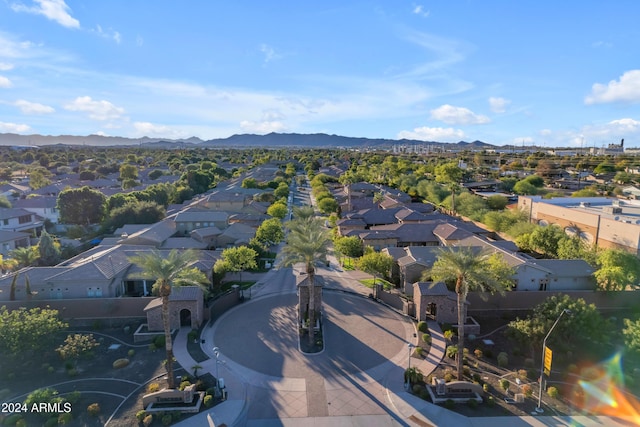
x=603, y=221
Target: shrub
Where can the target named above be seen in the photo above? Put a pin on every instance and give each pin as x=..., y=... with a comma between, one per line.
x=120, y=363
x=140, y=415
x=485, y=387
x=210, y=391
x=166, y=420
x=152, y=347
x=159, y=341
x=449, y=404
x=505, y=384
x=527, y=390
x=503, y=359
x=490, y=402
x=449, y=334
x=93, y=409
x=528, y=363
x=532, y=373
x=208, y=401
x=472, y=403
x=74, y=397
x=146, y=421
x=448, y=377
x=131, y=352
x=452, y=351
x=418, y=351
x=153, y=387
x=417, y=388
x=21, y=423
x=51, y=369
x=72, y=372
x=472, y=337
x=51, y=422
x=184, y=384
x=426, y=338
x=192, y=335
x=424, y=394
x=422, y=326
x=522, y=374
x=478, y=353
x=552, y=392
x=12, y=420
x=65, y=418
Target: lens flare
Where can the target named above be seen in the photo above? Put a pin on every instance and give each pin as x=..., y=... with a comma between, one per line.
x=604, y=392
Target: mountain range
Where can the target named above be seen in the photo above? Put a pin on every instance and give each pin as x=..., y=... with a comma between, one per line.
x=274, y=140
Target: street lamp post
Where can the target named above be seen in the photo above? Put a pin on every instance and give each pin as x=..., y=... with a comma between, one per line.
x=408, y=383
x=216, y=352
x=544, y=346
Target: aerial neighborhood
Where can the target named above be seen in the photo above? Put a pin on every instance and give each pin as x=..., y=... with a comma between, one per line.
x=504, y=241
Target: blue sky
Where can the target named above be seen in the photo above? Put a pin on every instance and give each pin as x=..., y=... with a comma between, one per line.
x=545, y=72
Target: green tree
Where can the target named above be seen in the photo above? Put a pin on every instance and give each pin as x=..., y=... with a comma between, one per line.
x=282, y=191
x=545, y=240
x=81, y=206
x=631, y=334
x=497, y=202
x=171, y=270
x=308, y=243
x=38, y=178
x=128, y=171
x=525, y=188
x=328, y=205
x=28, y=331
x=277, y=210
x=48, y=249
x=4, y=202
x=134, y=212
x=618, y=270
x=375, y=263
x=470, y=271
x=270, y=232
x=584, y=317
x=349, y=246
x=451, y=174
x=239, y=259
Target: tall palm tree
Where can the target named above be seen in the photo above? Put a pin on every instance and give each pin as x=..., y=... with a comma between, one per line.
x=470, y=270
x=25, y=256
x=173, y=270
x=308, y=243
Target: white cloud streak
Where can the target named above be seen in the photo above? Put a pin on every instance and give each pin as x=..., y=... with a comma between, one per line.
x=624, y=90
x=54, y=10
x=5, y=82
x=33, y=107
x=13, y=127
x=432, y=134
x=498, y=105
x=97, y=110
x=458, y=116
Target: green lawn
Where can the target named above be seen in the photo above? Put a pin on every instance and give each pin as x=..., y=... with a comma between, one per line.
x=369, y=283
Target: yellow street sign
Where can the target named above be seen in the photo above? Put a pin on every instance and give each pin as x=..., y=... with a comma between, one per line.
x=548, y=356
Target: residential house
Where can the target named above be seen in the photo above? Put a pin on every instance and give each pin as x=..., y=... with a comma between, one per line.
x=45, y=207
x=192, y=219
x=10, y=240
x=18, y=219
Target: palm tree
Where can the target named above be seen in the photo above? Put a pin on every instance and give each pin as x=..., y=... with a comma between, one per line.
x=173, y=270
x=25, y=256
x=471, y=271
x=308, y=243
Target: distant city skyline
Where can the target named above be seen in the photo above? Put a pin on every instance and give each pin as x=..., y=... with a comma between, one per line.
x=535, y=73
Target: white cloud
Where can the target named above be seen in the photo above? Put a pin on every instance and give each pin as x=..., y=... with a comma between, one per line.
x=54, y=10
x=5, y=82
x=155, y=130
x=108, y=34
x=262, y=127
x=98, y=110
x=269, y=53
x=498, y=105
x=13, y=127
x=419, y=10
x=5, y=66
x=33, y=107
x=626, y=89
x=432, y=134
x=458, y=116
